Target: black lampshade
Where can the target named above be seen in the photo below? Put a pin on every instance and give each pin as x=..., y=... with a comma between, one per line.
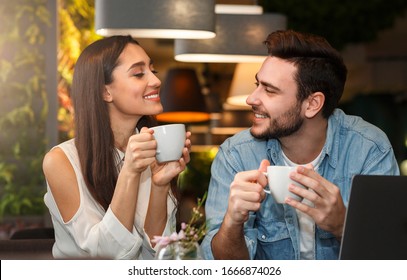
x=239, y=38
x=182, y=98
x=156, y=18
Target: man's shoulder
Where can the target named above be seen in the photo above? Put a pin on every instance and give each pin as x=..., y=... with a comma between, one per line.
x=244, y=149
x=243, y=137
x=351, y=124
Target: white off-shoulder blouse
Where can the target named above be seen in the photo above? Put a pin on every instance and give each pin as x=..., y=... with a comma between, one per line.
x=96, y=233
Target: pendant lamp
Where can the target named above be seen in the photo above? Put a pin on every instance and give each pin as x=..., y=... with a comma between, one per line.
x=156, y=18
x=238, y=9
x=243, y=84
x=182, y=98
x=239, y=38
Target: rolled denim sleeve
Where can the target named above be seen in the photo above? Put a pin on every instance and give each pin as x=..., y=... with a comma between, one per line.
x=223, y=171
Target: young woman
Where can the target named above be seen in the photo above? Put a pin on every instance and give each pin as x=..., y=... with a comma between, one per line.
x=107, y=195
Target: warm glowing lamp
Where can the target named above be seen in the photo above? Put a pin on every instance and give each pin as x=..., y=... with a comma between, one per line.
x=182, y=98
x=243, y=84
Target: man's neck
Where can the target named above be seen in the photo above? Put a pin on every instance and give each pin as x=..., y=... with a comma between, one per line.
x=306, y=144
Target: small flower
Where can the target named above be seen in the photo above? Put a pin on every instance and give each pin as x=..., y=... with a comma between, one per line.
x=181, y=235
x=174, y=236
x=161, y=241
x=189, y=233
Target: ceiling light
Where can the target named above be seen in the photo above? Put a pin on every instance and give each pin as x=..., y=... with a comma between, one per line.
x=182, y=98
x=238, y=9
x=243, y=84
x=191, y=19
x=239, y=38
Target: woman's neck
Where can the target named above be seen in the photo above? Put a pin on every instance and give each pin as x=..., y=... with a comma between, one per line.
x=122, y=130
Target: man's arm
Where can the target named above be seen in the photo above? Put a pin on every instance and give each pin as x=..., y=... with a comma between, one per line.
x=229, y=242
x=246, y=195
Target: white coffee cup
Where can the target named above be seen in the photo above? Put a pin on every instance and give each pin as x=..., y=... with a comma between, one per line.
x=278, y=182
x=170, y=141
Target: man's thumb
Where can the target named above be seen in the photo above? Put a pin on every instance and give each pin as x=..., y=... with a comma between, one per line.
x=263, y=165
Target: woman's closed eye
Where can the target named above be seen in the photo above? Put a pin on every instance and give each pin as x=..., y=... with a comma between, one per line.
x=141, y=74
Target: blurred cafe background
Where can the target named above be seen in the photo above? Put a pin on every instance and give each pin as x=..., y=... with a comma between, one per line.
x=205, y=79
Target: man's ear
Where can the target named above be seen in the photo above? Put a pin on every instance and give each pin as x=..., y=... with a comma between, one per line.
x=107, y=96
x=315, y=103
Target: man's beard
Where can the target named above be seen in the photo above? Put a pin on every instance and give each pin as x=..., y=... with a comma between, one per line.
x=284, y=125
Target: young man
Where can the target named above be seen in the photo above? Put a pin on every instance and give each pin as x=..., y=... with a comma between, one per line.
x=295, y=123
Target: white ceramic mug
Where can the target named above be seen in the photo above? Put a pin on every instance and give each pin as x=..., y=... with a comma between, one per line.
x=170, y=141
x=278, y=182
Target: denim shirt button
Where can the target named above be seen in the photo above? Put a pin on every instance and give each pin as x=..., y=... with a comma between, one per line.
x=263, y=237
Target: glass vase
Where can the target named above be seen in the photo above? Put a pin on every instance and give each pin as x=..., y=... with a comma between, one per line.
x=180, y=251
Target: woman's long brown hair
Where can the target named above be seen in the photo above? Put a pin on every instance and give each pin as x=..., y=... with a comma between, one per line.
x=94, y=137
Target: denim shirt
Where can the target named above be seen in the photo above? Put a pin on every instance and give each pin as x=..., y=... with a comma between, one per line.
x=352, y=147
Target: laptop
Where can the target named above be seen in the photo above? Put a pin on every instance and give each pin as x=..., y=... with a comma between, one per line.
x=376, y=219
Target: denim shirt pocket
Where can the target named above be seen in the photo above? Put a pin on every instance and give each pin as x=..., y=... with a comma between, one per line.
x=273, y=240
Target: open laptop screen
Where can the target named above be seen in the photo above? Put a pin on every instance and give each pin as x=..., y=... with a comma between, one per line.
x=376, y=219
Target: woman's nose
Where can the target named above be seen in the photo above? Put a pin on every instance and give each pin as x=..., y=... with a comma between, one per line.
x=155, y=81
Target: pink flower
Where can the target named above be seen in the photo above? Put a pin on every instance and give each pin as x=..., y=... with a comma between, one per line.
x=188, y=233
x=181, y=235
x=161, y=240
x=174, y=236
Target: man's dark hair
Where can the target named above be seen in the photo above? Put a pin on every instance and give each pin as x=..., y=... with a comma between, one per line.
x=320, y=68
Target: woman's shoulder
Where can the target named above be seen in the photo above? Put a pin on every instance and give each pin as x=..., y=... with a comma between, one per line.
x=65, y=151
x=53, y=158
x=67, y=146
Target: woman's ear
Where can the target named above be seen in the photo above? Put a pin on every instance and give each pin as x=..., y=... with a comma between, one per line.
x=315, y=103
x=107, y=96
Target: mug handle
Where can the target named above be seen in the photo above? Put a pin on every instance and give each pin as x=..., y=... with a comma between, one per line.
x=265, y=190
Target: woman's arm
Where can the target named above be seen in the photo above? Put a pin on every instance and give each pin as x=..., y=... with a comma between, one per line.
x=162, y=175
x=62, y=181
x=156, y=217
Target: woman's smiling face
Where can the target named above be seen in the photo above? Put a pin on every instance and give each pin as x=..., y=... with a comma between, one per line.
x=135, y=89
